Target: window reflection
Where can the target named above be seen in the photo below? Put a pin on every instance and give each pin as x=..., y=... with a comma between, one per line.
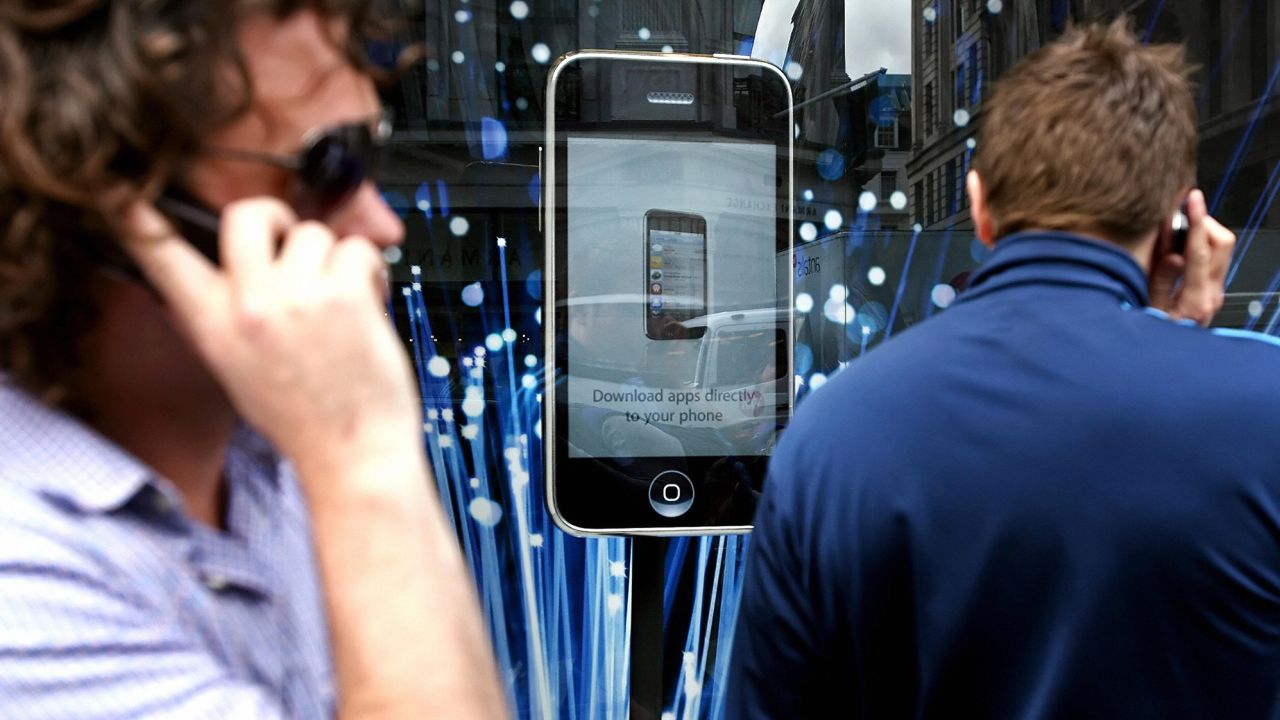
x=889, y=95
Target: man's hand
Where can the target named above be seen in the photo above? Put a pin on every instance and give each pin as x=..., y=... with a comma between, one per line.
x=1202, y=268
x=292, y=326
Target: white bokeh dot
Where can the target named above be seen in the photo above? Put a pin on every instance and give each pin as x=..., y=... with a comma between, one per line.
x=438, y=366
x=457, y=57
x=519, y=9
x=961, y=117
x=808, y=231
x=540, y=53
x=1255, y=309
x=867, y=201
x=876, y=276
x=643, y=33
x=804, y=302
x=500, y=66
x=832, y=219
x=898, y=200
x=838, y=311
x=994, y=6
x=522, y=104
x=462, y=16
x=485, y=511
x=473, y=407
x=459, y=226
x=943, y=295
x=930, y=14
x=795, y=71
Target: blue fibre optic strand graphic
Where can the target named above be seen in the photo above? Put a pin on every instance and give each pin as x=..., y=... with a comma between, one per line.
x=1251, y=227
x=902, y=284
x=556, y=605
x=1245, y=139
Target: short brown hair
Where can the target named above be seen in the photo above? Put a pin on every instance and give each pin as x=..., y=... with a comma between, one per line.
x=1094, y=133
x=100, y=96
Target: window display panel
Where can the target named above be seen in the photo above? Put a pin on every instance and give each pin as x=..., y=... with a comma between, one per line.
x=875, y=255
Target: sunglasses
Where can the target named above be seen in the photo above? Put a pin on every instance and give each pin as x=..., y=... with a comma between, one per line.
x=332, y=164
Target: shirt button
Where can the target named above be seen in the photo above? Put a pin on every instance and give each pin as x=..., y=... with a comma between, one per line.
x=161, y=504
x=216, y=583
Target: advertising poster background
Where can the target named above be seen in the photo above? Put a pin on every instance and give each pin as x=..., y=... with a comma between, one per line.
x=883, y=235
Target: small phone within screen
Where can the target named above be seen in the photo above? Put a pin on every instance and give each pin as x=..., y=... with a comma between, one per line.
x=675, y=263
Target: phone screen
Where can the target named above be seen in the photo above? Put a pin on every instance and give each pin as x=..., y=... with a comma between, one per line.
x=675, y=270
x=669, y=319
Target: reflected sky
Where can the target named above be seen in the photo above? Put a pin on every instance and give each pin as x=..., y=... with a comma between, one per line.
x=877, y=34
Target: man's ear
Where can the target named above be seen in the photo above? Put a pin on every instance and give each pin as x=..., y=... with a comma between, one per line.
x=983, y=226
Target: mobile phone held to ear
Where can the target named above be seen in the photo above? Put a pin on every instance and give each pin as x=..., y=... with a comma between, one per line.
x=194, y=220
x=1181, y=226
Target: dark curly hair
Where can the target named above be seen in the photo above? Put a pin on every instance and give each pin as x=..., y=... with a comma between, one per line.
x=101, y=102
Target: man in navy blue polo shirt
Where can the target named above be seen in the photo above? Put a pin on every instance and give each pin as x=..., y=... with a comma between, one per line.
x=1052, y=500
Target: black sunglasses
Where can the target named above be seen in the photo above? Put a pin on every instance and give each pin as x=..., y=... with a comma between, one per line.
x=331, y=165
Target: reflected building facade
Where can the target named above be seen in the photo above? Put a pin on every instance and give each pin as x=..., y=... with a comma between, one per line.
x=959, y=46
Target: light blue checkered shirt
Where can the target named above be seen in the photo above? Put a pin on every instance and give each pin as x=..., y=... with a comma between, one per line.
x=115, y=604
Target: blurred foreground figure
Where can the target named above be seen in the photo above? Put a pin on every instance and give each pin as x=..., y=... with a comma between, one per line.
x=213, y=497
x=1060, y=498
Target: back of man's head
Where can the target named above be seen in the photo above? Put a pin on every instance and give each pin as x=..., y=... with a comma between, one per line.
x=1095, y=133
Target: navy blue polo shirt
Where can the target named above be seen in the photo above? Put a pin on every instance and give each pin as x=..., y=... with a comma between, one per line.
x=1045, y=502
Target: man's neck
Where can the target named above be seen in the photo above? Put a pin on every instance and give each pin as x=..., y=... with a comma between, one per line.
x=141, y=386
x=191, y=455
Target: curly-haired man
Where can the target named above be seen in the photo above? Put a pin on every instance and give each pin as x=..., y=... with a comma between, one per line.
x=157, y=556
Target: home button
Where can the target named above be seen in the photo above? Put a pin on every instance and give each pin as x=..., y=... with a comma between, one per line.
x=671, y=493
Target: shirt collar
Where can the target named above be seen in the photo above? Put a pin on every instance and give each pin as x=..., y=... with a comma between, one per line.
x=1064, y=259
x=57, y=455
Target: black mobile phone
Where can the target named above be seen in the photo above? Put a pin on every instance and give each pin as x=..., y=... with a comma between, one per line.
x=1181, y=224
x=668, y=299
x=675, y=270
x=194, y=220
